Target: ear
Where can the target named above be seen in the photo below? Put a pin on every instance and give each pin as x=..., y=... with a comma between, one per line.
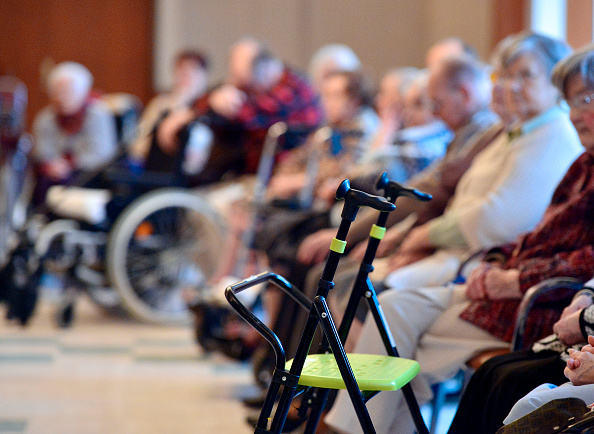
x=465, y=92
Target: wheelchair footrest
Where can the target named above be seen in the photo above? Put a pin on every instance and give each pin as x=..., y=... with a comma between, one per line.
x=372, y=372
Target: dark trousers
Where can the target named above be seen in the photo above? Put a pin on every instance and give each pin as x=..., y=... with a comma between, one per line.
x=499, y=383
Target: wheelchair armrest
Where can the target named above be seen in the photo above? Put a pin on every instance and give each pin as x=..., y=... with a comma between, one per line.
x=530, y=298
x=147, y=179
x=252, y=320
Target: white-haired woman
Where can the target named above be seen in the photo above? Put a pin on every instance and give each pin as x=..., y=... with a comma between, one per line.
x=74, y=133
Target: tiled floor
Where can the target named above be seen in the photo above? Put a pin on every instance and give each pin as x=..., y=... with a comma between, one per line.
x=105, y=375
x=111, y=375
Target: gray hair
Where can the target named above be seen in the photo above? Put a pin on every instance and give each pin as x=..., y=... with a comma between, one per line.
x=405, y=75
x=80, y=77
x=466, y=71
x=343, y=57
x=580, y=63
x=463, y=69
x=547, y=49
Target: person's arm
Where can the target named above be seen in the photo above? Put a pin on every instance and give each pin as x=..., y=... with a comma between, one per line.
x=100, y=140
x=577, y=319
x=578, y=263
x=150, y=116
x=444, y=231
x=45, y=133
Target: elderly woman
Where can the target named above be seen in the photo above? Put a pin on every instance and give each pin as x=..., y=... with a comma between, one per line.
x=346, y=100
x=74, y=133
x=331, y=58
x=190, y=78
x=500, y=180
x=442, y=327
x=501, y=381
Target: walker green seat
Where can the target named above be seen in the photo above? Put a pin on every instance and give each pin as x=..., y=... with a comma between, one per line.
x=372, y=372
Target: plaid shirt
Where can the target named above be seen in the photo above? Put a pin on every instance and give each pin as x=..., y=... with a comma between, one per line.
x=561, y=245
x=291, y=100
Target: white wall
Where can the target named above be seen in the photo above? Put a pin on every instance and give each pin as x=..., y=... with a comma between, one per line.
x=384, y=33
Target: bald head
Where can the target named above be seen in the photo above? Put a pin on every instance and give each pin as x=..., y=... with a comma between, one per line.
x=241, y=58
x=459, y=88
x=446, y=48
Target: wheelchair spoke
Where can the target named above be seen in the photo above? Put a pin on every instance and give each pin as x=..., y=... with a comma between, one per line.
x=166, y=243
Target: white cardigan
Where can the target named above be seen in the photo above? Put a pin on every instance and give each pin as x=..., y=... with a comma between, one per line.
x=509, y=185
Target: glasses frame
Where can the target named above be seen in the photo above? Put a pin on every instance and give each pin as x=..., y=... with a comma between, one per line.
x=582, y=101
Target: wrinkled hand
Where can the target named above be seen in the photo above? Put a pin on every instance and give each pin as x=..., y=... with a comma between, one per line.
x=227, y=100
x=416, y=246
x=568, y=329
x=416, y=240
x=577, y=305
x=475, y=284
x=401, y=259
x=314, y=248
x=580, y=367
x=167, y=131
x=502, y=284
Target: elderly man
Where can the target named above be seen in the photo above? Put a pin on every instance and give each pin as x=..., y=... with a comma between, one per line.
x=258, y=92
x=465, y=110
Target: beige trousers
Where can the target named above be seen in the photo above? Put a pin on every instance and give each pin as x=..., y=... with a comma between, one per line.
x=426, y=327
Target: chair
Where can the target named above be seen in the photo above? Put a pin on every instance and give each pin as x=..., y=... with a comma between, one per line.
x=363, y=376
x=528, y=301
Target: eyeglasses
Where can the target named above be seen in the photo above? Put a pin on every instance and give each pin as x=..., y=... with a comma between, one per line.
x=581, y=101
x=521, y=77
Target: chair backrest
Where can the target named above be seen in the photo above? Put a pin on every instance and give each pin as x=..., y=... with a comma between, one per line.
x=126, y=109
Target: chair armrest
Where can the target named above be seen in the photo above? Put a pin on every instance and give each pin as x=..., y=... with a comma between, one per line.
x=530, y=298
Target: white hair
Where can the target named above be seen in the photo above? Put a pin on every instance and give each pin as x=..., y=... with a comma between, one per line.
x=341, y=58
x=80, y=77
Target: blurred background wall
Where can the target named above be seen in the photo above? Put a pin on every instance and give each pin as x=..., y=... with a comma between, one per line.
x=384, y=33
x=128, y=45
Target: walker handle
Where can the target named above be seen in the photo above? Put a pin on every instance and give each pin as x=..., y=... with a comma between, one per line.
x=354, y=199
x=393, y=190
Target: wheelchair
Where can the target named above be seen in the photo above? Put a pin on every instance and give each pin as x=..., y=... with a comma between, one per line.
x=157, y=241
x=133, y=240
x=19, y=268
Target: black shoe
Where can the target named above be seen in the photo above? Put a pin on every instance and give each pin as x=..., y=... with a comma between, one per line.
x=254, y=402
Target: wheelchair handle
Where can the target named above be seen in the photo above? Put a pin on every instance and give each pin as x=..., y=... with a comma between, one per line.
x=393, y=190
x=354, y=199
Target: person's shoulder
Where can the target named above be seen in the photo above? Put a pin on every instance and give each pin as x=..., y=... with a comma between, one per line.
x=296, y=78
x=99, y=107
x=98, y=112
x=45, y=113
x=44, y=117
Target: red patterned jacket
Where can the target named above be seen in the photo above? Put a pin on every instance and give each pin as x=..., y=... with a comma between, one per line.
x=561, y=245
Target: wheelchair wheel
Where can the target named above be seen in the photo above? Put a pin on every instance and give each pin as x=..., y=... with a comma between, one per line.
x=163, y=243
